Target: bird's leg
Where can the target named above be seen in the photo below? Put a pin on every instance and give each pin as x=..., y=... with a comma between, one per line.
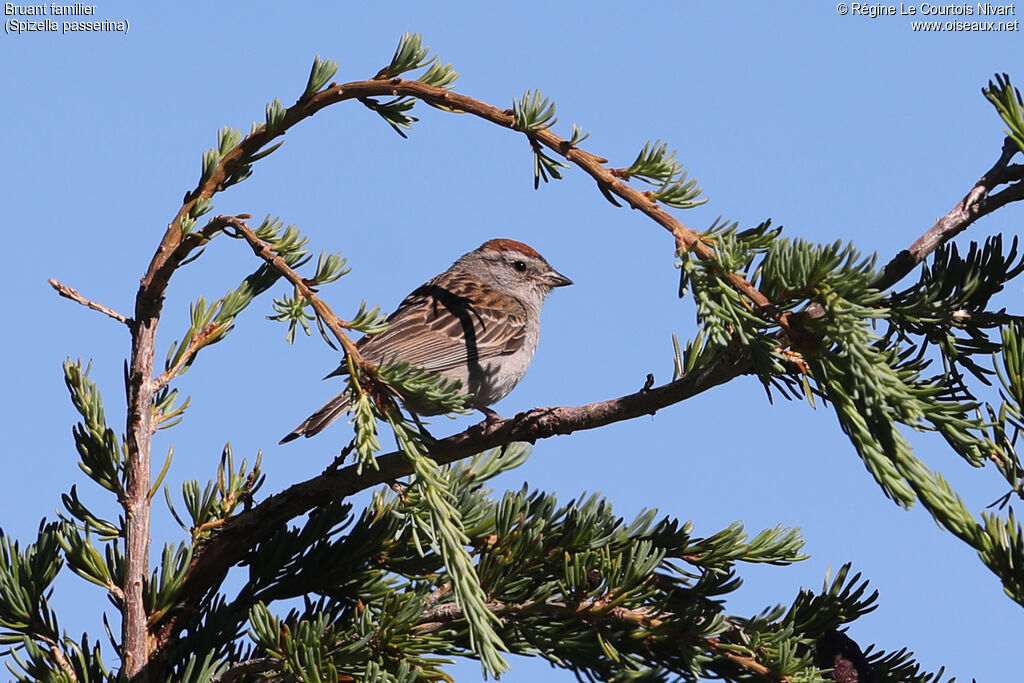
x=492, y=417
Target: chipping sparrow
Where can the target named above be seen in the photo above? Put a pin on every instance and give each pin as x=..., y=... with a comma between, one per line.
x=477, y=322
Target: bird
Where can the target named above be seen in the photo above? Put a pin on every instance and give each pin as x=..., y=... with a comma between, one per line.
x=477, y=322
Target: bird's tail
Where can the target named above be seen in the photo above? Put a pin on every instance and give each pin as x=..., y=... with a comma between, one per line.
x=316, y=422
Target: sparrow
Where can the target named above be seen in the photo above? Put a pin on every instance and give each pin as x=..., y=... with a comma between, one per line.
x=477, y=322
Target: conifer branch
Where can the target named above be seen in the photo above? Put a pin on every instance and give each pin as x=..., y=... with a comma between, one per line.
x=596, y=612
x=146, y=639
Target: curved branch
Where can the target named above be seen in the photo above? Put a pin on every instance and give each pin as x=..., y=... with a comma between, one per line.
x=305, y=107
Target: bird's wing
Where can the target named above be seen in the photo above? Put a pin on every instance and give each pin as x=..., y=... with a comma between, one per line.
x=437, y=328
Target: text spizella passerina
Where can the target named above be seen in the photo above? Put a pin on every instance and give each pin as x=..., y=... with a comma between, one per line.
x=477, y=322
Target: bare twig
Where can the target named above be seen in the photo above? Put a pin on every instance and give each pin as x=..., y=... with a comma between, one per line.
x=976, y=203
x=71, y=293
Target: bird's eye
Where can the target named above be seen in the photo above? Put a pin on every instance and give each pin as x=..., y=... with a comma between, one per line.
x=520, y=266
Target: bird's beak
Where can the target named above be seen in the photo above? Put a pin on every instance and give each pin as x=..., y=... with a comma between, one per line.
x=553, y=278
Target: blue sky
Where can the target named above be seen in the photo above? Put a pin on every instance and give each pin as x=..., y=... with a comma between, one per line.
x=837, y=127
